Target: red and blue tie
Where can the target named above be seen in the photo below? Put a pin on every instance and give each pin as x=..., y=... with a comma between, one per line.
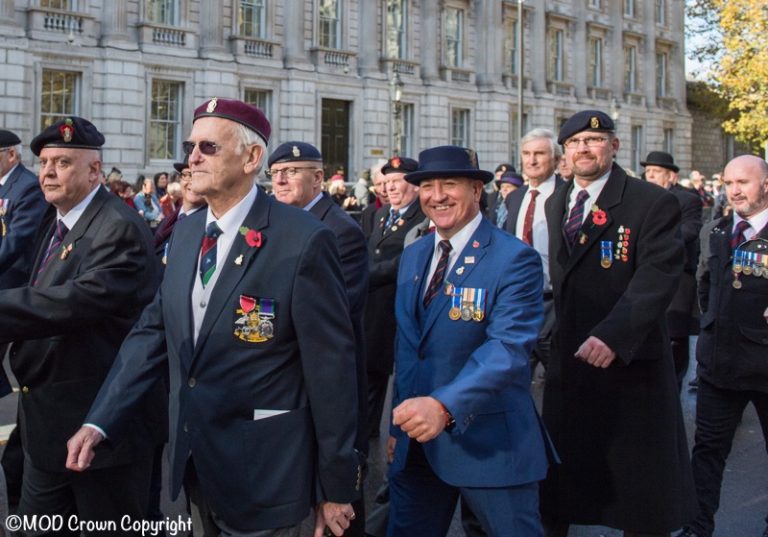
x=573, y=225
x=436, y=283
x=58, y=238
x=737, y=237
x=208, y=252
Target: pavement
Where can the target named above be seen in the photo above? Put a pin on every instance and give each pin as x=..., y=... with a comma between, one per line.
x=744, y=498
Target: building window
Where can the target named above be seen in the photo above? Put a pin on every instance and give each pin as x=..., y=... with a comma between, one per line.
x=59, y=96
x=662, y=74
x=629, y=8
x=165, y=119
x=596, y=61
x=261, y=99
x=630, y=69
x=397, y=24
x=163, y=12
x=460, y=127
x=637, y=146
x=660, y=11
x=330, y=24
x=511, y=48
x=252, y=17
x=406, y=140
x=454, y=37
x=63, y=5
x=595, y=4
x=669, y=136
x=556, y=54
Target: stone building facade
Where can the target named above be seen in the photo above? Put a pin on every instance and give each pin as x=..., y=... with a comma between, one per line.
x=360, y=78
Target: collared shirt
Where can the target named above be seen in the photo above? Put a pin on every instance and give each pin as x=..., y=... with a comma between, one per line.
x=314, y=202
x=594, y=189
x=756, y=222
x=7, y=175
x=540, y=233
x=229, y=224
x=458, y=242
x=74, y=214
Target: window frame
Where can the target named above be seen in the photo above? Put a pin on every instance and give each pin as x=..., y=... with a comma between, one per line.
x=631, y=78
x=335, y=42
x=402, y=42
x=460, y=37
x=76, y=98
x=556, y=64
x=465, y=113
x=263, y=22
x=175, y=19
x=596, y=61
x=178, y=121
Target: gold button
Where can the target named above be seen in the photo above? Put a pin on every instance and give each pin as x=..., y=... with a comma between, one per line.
x=192, y=382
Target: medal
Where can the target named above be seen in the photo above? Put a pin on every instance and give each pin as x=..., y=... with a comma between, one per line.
x=467, y=303
x=266, y=329
x=454, y=313
x=479, y=310
x=738, y=260
x=466, y=313
x=747, y=268
x=606, y=254
x=736, y=283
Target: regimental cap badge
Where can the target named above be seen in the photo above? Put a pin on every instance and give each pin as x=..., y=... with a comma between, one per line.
x=67, y=129
x=472, y=157
x=295, y=152
x=396, y=162
x=594, y=123
x=503, y=168
x=212, y=105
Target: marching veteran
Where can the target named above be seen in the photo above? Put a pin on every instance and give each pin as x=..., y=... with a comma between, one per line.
x=611, y=401
x=94, y=272
x=254, y=316
x=464, y=423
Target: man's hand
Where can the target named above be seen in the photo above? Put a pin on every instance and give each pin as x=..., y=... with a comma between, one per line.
x=765, y=314
x=421, y=418
x=595, y=353
x=336, y=516
x=80, y=448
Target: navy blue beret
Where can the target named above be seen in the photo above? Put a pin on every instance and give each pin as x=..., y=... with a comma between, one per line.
x=73, y=132
x=400, y=165
x=592, y=120
x=295, y=152
x=8, y=139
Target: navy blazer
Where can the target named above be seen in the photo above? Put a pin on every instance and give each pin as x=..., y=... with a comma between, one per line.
x=20, y=216
x=255, y=473
x=478, y=370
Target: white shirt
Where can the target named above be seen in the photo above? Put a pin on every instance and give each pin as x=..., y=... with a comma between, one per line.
x=74, y=214
x=594, y=188
x=458, y=242
x=7, y=175
x=229, y=224
x=540, y=233
x=756, y=222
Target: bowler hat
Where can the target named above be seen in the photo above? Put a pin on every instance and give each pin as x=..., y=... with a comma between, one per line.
x=295, y=152
x=181, y=166
x=8, y=139
x=72, y=132
x=591, y=120
x=504, y=167
x=448, y=161
x=237, y=111
x=660, y=158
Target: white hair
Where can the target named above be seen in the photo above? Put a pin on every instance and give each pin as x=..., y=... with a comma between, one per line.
x=249, y=137
x=546, y=134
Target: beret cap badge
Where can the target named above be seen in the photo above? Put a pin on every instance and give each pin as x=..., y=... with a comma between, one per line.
x=67, y=129
x=594, y=123
x=212, y=105
x=295, y=151
x=395, y=162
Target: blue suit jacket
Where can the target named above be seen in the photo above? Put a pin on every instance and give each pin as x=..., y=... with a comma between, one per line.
x=21, y=217
x=255, y=473
x=478, y=370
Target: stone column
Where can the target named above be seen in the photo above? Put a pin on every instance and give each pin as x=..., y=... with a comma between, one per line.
x=649, y=71
x=369, y=38
x=431, y=45
x=580, y=57
x=212, y=32
x=537, y=46
x=114, y=26
x=616, y=50
x=489, y=28
x=295, y=53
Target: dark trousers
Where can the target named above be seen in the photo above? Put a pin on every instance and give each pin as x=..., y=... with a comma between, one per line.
x=421, y=504
x=718, y=413
x=556, y=529
x=105, y=494
x=377, y=394
x=681, y=357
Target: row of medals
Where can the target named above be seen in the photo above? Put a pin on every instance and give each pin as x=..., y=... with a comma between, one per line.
x=467, y=311
x=749, y=264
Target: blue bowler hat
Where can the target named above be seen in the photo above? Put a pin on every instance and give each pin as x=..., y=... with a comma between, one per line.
x=586, y=120
x=295, y=152
x=512, y=178
x=448, y=161
x=73, y=132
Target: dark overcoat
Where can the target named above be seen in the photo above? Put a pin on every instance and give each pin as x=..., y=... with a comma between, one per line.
x=619, y=430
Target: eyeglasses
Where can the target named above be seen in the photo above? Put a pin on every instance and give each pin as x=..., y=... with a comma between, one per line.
x=589, y=141
x=290, y=173
x=205, y=147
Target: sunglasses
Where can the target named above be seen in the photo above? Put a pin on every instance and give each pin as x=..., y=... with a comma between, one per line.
x=206, y=147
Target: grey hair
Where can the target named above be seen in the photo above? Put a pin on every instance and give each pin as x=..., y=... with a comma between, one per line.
x=546, y=134
x=248, y=137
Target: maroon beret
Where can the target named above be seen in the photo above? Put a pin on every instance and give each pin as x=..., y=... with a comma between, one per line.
x=238, y=111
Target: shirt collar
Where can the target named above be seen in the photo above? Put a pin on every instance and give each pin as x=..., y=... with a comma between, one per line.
x=74, y=214
x=461, y=238
x=757, y=221
x=7, y=175
x=314, y=201
x=593, y=189
x=546, y=187
x=233, y=218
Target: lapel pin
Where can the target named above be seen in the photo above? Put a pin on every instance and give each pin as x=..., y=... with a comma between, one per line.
x=65, y=251
x=239, y=260
x=475, y=244
x=583, y=238
x=469, y=260
x=460, y=271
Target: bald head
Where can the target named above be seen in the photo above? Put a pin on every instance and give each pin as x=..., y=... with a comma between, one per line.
x=746, y=185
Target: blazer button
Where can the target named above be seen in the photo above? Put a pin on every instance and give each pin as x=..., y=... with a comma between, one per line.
x=25, y=389
x=378, y=251
x=185, y=428
x=192, y=382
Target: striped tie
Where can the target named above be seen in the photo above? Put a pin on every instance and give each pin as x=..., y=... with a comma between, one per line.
x=437, y=278
x=573, y=225
x=56, y=240
x=737, y=237
x=208, y=252
x=528, y=220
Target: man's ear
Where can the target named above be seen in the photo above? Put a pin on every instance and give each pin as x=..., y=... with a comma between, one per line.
x=255, y=155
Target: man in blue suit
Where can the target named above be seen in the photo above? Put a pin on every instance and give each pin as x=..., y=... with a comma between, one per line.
x=468, y=308
x=252, y=321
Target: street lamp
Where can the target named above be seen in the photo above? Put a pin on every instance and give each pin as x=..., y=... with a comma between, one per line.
x=396, y=86
x=615, y=109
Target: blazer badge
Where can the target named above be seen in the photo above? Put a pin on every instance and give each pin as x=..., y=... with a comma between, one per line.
x=254, y=319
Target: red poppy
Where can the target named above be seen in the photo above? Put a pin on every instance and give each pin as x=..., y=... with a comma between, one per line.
x=253, y=238
x=598, y=217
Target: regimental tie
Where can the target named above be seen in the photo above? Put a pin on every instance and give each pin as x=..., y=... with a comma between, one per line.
x=208, y=252
x=573, y=225
x=738, y=234
x=436, y=283
x=392, y=218
x=58, y=238
x=528, y=221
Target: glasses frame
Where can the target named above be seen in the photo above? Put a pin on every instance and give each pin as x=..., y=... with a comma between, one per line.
x=289, y=172
x=589, y=141
x=206, y=147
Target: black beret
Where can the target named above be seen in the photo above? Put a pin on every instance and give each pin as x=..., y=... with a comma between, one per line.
x=592, y=120
x=447, y=161
x=504, y=168
x=8, y=139
x=73, y=132
x=181, y=166
x=238, y=111
x=660, y=158
x=295, y=152
x=400, y=165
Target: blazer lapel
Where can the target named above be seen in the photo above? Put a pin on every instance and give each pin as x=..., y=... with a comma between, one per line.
x=554, y=209
x=240, y=256
x=322, y=206
x=513, y=210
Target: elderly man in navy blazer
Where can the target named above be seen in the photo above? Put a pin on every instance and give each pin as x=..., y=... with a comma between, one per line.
x=464, y=423
x=254, y=316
